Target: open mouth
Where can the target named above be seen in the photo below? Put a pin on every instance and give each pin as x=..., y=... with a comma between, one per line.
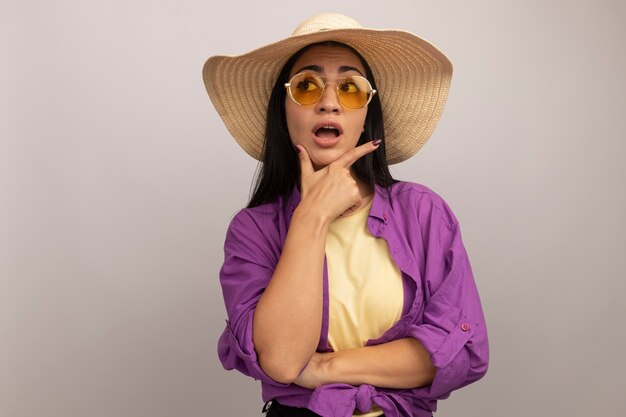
x=327, y=132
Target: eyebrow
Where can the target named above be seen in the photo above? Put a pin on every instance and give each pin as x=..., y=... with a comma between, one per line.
x=319, y=69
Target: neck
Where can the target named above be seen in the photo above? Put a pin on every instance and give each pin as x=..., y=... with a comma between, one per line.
x=364, y=189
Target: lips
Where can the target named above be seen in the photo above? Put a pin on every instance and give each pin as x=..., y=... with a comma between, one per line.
x=327, y=134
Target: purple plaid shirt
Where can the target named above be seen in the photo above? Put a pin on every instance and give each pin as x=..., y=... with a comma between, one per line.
x=441, y=303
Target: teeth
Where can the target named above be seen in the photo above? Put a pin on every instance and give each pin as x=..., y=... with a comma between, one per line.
x=329, y=127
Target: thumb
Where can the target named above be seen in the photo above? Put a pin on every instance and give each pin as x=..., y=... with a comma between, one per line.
x=306, y=166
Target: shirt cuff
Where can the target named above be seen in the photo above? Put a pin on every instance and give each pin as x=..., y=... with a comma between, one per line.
x=447, y=353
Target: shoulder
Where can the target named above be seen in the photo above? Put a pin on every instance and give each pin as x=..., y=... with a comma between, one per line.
x=408, y=198
x=260, y=220
x=262, y=213
x=257, y=233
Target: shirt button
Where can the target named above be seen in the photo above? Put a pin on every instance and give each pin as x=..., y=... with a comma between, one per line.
x=465, y=327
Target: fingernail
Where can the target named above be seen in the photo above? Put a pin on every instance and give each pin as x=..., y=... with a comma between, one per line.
x=296, y=149
x=376, y=142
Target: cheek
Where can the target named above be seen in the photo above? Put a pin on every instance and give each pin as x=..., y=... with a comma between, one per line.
x=289, y=116
x=359, y=124
x=295, y=120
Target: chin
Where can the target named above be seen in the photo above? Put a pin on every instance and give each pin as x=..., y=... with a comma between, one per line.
x=320, y=161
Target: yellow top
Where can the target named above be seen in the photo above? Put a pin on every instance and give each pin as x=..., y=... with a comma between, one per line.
x=365, y=285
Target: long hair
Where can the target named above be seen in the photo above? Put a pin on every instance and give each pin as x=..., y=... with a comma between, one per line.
x=279, y=171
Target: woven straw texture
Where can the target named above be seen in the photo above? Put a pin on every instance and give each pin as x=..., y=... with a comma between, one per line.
x=412, y=77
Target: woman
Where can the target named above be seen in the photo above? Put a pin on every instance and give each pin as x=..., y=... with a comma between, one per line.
x=347, y=292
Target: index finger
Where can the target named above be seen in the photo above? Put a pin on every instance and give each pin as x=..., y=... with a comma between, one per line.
x=306, y=166
x=347, y=159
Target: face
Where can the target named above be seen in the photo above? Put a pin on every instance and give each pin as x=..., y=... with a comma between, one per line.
x=306, y=124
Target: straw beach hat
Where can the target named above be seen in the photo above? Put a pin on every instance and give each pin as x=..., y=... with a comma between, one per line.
x=412, y=77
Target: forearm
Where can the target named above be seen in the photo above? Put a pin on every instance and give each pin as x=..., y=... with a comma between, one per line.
x=402, y=363
x=288, y=316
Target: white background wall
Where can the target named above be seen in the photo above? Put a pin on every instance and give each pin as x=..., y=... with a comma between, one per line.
x=118, y=179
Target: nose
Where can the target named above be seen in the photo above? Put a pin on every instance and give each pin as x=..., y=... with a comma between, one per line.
x=329, y=102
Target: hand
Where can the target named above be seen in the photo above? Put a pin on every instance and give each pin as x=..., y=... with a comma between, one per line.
x=315, y=373
x=331, y=190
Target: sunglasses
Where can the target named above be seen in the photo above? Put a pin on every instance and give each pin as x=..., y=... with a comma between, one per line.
x=354, y=92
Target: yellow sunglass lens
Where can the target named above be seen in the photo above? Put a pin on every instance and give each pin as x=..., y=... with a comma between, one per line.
x=306, y=89
x=353, y=92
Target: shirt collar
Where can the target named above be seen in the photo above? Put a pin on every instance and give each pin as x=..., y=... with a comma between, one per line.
x=380, y=205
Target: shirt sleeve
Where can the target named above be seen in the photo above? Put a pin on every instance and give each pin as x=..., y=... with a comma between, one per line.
x=249, y=263
x=453, y=328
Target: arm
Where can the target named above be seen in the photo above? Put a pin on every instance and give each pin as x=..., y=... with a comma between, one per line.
x=453, y=327
x=445, y=348
x=402, y=363
x=292, y=302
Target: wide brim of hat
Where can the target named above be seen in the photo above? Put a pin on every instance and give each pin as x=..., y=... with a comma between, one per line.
x=412, y=76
